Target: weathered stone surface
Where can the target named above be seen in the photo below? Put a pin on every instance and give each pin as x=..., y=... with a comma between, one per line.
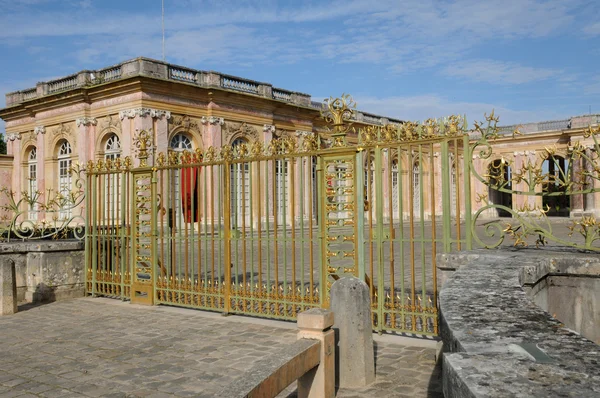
x=319, y=382
x=271, y=375
x=351, y=305
x=315, y=319
x=8, y=287
x=47, y=270
x=105, y=347
x=487, y=318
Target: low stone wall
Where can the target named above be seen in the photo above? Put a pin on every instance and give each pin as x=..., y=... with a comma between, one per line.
x=47, y=270
x=498, y=341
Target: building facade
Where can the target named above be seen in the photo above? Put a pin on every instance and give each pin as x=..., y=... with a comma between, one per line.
x=96, y=115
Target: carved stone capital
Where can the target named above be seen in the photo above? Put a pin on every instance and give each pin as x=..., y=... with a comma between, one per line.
x=39, y=130
x=86, y=121
x=142, y=112
x=212, y=120
x=13, y=136
x=302, y=133
x=268, y=128
x=159, y=114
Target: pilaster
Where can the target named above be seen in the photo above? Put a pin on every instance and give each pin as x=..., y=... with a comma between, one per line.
x=304, y=177
x=13, y=147
x=40, y=132
x=154, y=121
x=212, y=133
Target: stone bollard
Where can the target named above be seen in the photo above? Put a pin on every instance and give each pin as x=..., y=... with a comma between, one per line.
x=8, y=287
x=319, y=382
x=355, y=358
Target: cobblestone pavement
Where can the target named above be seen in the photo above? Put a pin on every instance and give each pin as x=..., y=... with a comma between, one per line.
x=101, y=347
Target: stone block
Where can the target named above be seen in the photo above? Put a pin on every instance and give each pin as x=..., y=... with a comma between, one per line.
x=315, y=319
x=8, y=287
x=355, y=358
x=315, y=324
x=266, y=90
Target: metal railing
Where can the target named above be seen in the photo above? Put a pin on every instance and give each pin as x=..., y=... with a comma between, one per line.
x=265, y=228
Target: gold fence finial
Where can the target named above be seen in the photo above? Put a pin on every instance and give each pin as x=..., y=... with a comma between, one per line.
x=338, y=112
x=143, y=142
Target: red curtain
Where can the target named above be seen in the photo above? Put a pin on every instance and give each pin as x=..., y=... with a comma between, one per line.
x=188, y=194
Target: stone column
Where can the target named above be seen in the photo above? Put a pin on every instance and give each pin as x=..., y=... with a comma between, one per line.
x=13, y=147
x=576, y=200
x=588, y=198
x=355, y=358
x=438, y=199
x=86, y=129
x=387, y=189
x=8, y=286
x=40, y=132
x=212, y=137
x=143, y=119
x=267, y=172
x=212, y=134
x=307, y=190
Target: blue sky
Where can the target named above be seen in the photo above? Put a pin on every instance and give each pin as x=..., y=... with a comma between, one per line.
x=529, y=60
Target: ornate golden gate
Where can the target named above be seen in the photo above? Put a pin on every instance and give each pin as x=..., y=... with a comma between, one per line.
x=265, y=228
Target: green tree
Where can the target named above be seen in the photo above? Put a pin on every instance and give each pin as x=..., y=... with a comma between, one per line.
x=2, y=145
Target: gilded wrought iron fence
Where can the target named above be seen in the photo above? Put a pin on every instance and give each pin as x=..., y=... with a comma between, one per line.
x=108, y=228
x=36, y=215
x=265, y=229
x=236, y=230
x=415, y=207
x=532, y=186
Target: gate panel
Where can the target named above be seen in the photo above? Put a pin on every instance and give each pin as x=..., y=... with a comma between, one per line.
x=108, y=224
x=143, y=255
x=190, y=232
x=408, y=221
x=339, y=214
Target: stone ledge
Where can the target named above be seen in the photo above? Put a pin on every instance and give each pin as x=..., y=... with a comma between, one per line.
x=485, y=315
x=41, y=246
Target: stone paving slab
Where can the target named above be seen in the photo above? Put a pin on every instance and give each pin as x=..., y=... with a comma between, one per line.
x=106, y=348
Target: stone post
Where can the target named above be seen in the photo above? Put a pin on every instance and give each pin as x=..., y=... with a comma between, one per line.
x=355, y=359
x=319, y=382
x=8, y=287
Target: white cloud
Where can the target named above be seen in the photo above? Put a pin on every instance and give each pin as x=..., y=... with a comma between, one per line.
x=593, y=29
x=497, y=72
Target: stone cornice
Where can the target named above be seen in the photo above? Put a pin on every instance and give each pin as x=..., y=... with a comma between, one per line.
x=142, y=112
x=39, y=130
x=212, y=120
x=86, y=121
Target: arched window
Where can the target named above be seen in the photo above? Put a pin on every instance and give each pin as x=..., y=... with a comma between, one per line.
x=240, y=190
x=416, y=185
x=500, y=178
x=395, y=188
x=32, y=182
x=180, y=143
x=112, y=181
x=281, y=188
x=369, y=185
x=112, y=149
x=64, y=178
